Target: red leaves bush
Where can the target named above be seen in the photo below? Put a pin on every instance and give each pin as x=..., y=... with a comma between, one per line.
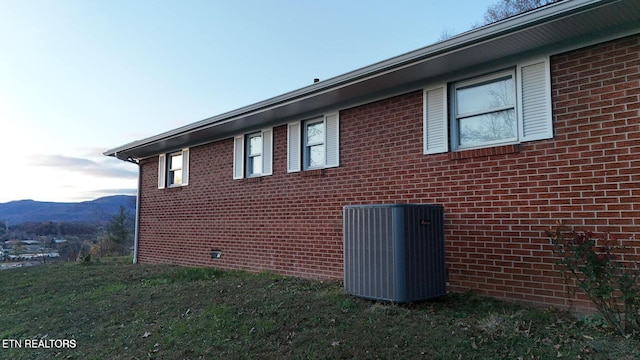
x=590, y=262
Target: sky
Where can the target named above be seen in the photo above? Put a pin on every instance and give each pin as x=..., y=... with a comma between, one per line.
x=79, y=77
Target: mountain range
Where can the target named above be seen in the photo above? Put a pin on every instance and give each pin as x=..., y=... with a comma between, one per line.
x=95, y=211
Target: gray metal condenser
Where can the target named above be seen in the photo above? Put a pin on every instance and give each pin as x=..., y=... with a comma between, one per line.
x=394, y=252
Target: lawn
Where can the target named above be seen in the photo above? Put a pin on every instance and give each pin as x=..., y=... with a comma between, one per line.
x=112, y=309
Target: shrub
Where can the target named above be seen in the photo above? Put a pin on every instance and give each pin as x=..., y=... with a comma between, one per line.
x=105, y=246
x=593, y=263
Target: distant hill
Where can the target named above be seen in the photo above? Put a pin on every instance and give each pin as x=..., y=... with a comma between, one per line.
x=94, y=211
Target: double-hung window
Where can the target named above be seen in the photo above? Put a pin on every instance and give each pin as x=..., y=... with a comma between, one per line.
x=313, y=144
x=484, y=111
x=173, y=169
x=503, y=107
x=252, y=154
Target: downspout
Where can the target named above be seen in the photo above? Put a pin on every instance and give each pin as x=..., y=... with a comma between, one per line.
x=136, y=222
x=135, y=228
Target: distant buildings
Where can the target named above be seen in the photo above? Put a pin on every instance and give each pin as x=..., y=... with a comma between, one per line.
x=27, y=251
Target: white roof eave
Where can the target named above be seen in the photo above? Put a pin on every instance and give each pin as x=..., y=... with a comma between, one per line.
x=557, y=25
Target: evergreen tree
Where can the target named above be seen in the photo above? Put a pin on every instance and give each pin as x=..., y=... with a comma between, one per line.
x=119, y=230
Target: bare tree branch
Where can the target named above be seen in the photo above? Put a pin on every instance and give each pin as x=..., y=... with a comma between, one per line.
x=508, y=8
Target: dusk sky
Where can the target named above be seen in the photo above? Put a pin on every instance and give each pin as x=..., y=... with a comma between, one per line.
x=79, y=77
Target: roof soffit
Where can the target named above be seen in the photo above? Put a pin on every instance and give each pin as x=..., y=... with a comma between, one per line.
x=544, y=30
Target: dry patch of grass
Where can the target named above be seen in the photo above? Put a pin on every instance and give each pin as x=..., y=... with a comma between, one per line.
x=116, y=310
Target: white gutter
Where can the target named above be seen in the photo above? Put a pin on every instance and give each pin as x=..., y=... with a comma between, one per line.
x=464, y=41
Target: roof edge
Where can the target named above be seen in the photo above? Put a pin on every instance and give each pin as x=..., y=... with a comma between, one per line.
x=468, y=38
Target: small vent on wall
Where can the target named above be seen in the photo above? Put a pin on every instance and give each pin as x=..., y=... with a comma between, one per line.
x=216, y=253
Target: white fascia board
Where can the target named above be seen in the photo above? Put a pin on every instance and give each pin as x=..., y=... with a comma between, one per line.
x=467, y=39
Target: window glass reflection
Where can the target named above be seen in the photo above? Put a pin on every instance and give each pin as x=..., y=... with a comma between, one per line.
x=485, y=97
x=500, y=125
x=175, y=162
x=316, y=155
x=255, y=165
x=255, y=145
x=315, y=133
x=176, y=177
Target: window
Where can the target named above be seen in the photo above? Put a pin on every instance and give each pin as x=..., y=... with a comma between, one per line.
x=484, y=111
x=314, y=138
x=173, y=169
x=313, y=144
x=252, y=155
x=504, y=107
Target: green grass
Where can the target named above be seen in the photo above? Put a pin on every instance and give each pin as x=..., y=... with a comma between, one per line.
x=116, y=310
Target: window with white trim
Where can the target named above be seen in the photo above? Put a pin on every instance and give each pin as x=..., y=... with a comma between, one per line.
x=313, y=144
x=484, y=111
x=504, y=107
x=174, y=177
x=173, y=169
x=314, y=147
x=253, y=154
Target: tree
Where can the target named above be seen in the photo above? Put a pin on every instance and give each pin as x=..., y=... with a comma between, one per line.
x=46, y=228
x=508, y=8
x=119, y=230
x=70, y=249
x=446, y=34
x=4, y=228
x=104, y=246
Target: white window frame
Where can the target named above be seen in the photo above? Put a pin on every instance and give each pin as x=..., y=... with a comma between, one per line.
x=252, y=157
x=165, y=171
x=298, y=149
x=306, y=145
x=456, y=117
x=173, y=167
x=241, y=156
x=533, y=108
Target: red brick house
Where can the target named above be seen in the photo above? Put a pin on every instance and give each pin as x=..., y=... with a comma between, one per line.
x=510, y=127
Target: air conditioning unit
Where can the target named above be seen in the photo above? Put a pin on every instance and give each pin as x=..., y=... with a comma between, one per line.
x=394, y=252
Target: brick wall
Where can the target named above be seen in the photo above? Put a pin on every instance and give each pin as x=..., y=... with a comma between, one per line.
x=498, y=201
